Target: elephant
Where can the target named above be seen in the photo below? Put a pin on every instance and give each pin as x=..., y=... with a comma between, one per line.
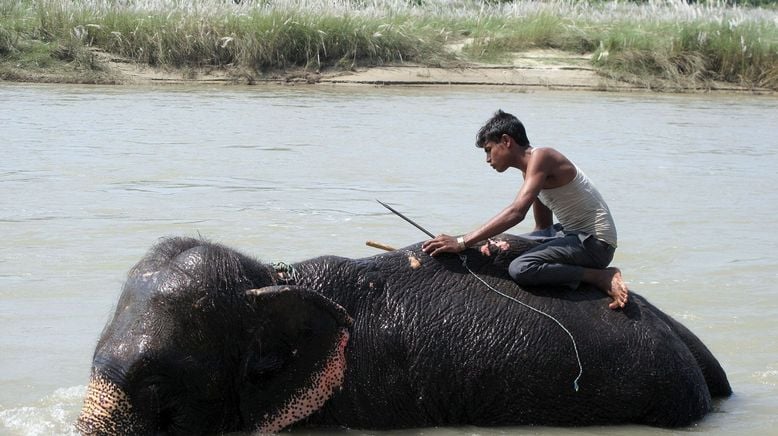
x=205, y=339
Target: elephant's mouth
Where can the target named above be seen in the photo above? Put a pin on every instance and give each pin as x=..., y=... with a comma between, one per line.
x=324, y=384
x=84, y=427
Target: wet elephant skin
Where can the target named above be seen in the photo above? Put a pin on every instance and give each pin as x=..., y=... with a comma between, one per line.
x=194, y=348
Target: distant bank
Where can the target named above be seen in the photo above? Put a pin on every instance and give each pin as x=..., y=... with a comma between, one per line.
x=670, y=46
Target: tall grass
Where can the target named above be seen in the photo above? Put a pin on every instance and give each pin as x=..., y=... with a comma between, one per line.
x=698, y=44
x=263, y=39
x=253, y=34
x=666, y=41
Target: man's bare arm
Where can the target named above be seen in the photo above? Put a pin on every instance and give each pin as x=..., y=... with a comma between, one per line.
x=538, y=171
x=544, y=218
x=516, y=211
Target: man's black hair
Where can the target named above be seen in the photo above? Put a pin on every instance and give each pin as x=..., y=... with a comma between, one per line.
x=502, y=123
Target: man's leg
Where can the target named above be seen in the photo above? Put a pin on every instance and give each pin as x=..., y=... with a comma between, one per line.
x=567, y=261
x=558, y=262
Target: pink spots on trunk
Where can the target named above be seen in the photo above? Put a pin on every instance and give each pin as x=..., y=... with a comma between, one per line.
x=107, y=410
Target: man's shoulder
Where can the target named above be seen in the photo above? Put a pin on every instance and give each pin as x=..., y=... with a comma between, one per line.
x=558, y=168
x=548, y=151
x=550, y=155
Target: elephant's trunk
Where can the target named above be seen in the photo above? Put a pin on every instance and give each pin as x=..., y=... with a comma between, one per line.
x=107, y=411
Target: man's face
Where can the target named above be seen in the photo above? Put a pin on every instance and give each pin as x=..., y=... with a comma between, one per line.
x=497, y=154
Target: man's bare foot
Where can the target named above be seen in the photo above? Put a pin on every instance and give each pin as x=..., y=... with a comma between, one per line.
x=609, y=280
x=616, y=288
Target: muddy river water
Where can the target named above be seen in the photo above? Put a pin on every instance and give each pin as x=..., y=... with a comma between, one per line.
x=91, y=177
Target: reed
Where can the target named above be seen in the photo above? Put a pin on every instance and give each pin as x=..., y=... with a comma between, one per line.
x=660, y=42
x=735, y=49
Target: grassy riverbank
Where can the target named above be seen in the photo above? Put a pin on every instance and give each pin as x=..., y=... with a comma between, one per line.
x=669, y=45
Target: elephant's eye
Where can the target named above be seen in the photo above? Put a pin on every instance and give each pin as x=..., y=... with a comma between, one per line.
x=307, y=332
x=150, y=391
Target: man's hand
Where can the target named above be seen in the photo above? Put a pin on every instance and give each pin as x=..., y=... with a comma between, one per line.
x=441, y=244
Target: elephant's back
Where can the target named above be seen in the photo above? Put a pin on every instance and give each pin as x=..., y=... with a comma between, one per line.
x=441, y=345
x=715, y=377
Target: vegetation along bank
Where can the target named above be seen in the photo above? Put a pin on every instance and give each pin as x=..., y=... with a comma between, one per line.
x=666, y=45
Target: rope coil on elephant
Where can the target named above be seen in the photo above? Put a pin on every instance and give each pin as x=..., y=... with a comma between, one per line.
x=285, y=273
x=575, y=346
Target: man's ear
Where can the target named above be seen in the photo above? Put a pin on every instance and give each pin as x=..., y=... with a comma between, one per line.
x=506, y=139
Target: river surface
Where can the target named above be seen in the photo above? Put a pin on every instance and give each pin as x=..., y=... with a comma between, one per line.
x=91, y=177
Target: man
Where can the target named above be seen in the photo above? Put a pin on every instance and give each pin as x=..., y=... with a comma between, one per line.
x=553, y=186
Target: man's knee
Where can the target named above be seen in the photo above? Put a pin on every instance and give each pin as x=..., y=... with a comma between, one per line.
x=522, y=271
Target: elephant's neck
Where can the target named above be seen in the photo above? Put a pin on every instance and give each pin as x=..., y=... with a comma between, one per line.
x=319, y=274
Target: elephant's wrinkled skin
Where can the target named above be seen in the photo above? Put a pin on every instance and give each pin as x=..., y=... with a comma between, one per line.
x=200, y=344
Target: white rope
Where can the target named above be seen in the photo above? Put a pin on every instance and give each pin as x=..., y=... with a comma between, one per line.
x=575, y=346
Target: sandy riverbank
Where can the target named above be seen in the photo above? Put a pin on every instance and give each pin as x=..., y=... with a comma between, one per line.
x=536, y=69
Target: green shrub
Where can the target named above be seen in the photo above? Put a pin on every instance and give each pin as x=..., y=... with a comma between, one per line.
x=8, y=41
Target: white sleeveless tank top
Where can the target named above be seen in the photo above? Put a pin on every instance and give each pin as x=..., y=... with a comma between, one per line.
x=579, y=207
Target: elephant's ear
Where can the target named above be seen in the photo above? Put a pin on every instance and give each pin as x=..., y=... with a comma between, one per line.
x=294, y=355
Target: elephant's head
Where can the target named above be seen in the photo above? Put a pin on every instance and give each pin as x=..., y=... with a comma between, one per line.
x=200, y=343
